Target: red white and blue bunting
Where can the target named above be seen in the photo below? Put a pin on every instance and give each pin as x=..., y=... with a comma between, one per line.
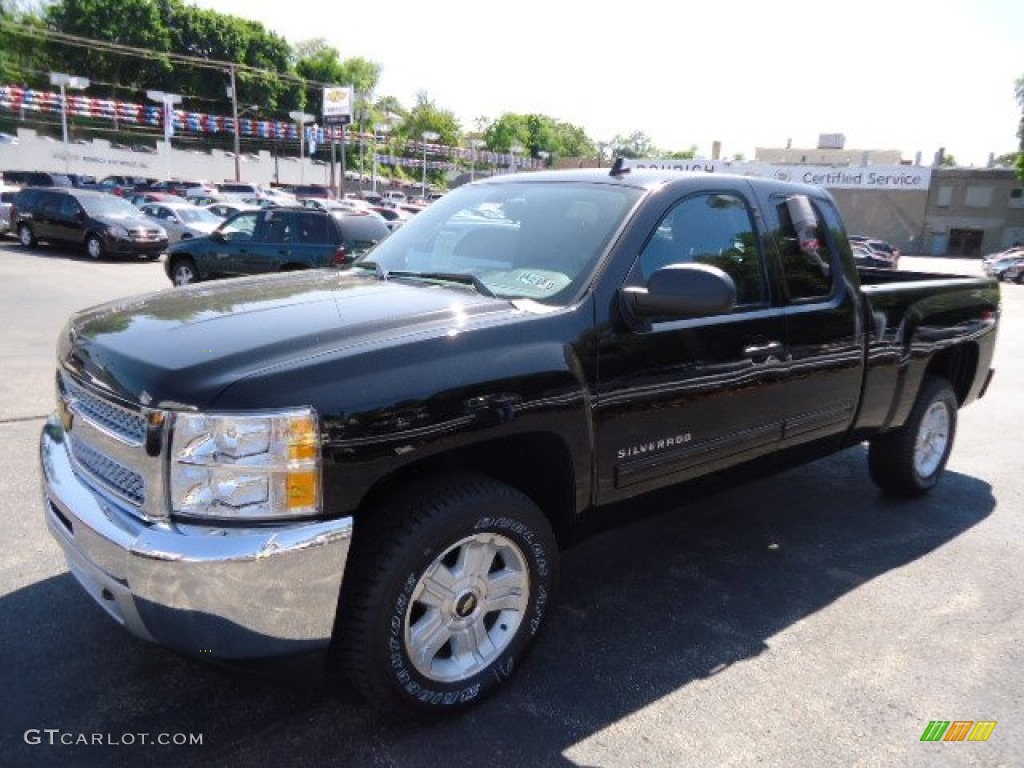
x=22, y=100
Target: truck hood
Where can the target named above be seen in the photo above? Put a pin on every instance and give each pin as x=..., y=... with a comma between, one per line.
x=180, y=347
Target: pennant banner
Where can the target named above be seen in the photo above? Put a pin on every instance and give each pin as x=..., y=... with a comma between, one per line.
x=17, y=99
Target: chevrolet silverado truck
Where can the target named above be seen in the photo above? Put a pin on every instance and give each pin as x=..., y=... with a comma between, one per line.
x=384, y=460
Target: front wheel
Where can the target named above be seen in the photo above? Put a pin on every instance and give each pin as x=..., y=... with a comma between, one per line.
x=909, y=461
x=94, y=247
x=445, y=590
x=184, y=272
x=26, y=237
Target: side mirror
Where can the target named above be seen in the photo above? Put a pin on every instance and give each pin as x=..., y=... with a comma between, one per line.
x=218, y=235
x=805, y=223
x=682, y=290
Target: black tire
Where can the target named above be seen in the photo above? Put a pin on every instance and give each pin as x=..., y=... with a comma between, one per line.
x=909, y=461
x=183, y=271
x=26, y=236
x=94, y=247
x=468, y=538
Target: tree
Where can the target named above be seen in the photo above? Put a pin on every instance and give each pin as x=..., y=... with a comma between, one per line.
x=136, y=23
x=22, y=58
x=321, y=63
x=638, y=144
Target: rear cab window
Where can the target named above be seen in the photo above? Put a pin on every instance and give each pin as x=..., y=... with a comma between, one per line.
x=807, y=252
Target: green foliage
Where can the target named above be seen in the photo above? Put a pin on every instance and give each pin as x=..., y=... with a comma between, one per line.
x=636, y=145
x=267, y=69
x=21, y=55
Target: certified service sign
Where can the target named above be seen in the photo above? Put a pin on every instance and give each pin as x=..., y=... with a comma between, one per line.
x=338, y=105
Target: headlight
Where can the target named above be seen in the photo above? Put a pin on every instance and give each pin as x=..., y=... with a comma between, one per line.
x=247, y=466
x=118, y=231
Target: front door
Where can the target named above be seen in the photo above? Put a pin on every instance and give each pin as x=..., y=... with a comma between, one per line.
x=683, y=397
x=230, y=248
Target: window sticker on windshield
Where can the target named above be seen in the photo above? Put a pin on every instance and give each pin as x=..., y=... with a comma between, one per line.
x=537, y=281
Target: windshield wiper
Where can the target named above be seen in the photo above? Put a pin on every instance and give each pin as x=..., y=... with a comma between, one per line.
x=463, y=278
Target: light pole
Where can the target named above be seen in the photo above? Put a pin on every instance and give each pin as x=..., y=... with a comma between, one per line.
x=233, y=94
x=515, y=149
x=66, y=81
x=168, y=100
x=377, y=128
x=361, y=116
x=474, y=147
x=426, y=136
x=301, y=118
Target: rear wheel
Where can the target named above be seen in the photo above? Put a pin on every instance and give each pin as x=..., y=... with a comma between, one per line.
x=94, y=247
x=184, y=272
x=910, y=460
x=445, y=590
x=26, y=237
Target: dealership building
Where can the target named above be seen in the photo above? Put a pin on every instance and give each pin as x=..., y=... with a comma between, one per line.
x=932, y=210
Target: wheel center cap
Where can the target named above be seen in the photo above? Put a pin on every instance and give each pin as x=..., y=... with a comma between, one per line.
x=466, y=604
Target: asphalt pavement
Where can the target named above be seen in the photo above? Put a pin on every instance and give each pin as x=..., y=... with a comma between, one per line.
x=799, y=620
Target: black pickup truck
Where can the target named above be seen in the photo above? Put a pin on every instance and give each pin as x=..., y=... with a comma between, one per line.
x=385, y=459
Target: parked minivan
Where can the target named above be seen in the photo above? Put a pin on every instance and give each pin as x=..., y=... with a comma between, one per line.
x=37, y=179
x=103, y=224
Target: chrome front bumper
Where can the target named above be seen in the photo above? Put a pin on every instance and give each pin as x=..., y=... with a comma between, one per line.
x=209, y=590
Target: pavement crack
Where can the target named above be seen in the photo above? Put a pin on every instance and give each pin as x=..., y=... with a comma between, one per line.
x=19, y=419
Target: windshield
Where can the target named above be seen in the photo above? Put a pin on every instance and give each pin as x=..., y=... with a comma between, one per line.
x=198, y=216
x=109, y=206
x=531, y=240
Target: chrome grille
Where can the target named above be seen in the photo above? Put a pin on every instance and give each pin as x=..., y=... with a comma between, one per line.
x=110, y=474
x=127, y=425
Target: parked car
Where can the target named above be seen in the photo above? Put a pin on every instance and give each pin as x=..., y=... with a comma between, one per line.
x=883, y=250
x=82, y=180
x=186, y=189
x=863, y=256
x=997, y=265
x=124, y=186
x=230, y=208
x=139, y=199
x=37, y=179
x=7, y=194
x=303, y=191
x=182, y=220
x=1015, y=250
x=1014, y=272
x=274, y=240
x=395, y=217
x=394, y=197
x=103, y=224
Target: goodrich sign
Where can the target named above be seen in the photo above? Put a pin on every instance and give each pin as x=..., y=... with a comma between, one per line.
x=889, y=177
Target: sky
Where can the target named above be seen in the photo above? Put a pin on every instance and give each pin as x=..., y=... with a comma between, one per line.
x=900, y=74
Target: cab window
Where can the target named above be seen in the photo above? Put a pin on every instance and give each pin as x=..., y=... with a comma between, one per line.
x=715, y=229
x=808, y=261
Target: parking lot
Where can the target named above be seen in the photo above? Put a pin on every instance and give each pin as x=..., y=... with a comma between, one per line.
x=799, y=620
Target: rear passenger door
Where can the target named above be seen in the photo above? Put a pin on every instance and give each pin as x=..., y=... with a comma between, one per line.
x=313, y=247
x=681, y=397
x=824, y=327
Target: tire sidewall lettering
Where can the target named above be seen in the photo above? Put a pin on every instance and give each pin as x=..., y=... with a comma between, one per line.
x=431, y=694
